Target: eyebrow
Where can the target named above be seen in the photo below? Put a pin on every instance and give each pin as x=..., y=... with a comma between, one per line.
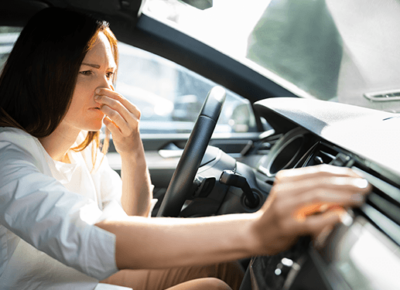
x=95, y=65
x=92, y=65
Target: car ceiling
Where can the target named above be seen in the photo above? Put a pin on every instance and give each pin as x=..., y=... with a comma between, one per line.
x=122, y=13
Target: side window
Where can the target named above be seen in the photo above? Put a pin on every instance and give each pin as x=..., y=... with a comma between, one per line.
x=170, y=96
x=8, y=36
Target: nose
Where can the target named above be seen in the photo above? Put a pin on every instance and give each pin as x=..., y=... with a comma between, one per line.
x=105, y=83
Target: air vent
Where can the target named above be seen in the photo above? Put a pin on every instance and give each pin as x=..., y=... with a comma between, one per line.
x=383, y=96
x=385, y=195
x=383, y=205
x=322, y=154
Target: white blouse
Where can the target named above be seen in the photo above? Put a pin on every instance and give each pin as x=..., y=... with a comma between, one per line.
x=47, y=214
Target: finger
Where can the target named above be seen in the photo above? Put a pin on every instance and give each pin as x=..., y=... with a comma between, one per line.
x=125, y=102
x=317, y=208
x=308, y=210
x=319, y=200
x=323, y=201
x=316, y=223
x=350, y=185
x=330, y=196
x=117, y=106
x=324, y=170
x=115, y=118
x=111, y=126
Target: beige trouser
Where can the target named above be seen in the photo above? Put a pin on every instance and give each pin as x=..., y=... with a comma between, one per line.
x=162, y=279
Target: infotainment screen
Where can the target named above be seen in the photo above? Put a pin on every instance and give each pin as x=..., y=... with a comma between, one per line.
x=367, y=259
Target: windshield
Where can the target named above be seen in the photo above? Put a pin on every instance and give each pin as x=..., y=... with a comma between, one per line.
x=344, y=51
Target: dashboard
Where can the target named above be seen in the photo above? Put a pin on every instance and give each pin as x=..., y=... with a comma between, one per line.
x=363, y=252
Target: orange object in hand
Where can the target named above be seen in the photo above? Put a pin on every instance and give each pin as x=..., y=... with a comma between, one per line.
x=317, y=208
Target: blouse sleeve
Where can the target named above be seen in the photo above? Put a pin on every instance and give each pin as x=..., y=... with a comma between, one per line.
x=40, y=210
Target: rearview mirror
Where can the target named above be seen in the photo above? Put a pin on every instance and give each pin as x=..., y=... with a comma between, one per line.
x=200, y=4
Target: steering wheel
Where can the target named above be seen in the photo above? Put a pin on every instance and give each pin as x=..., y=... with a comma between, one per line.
x=193, y=153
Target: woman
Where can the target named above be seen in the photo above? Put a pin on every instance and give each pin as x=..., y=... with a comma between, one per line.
x=66, y=219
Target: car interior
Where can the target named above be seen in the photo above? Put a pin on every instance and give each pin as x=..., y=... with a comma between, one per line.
x=203, y=172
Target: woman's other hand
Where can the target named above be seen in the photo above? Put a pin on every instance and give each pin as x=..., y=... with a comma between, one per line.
x=305, y=202
x=122, y=119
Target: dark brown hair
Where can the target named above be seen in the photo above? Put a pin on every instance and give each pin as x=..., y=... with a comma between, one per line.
x=39, y=77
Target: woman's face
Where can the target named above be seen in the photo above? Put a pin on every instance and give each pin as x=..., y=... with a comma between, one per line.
x=96, y=71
